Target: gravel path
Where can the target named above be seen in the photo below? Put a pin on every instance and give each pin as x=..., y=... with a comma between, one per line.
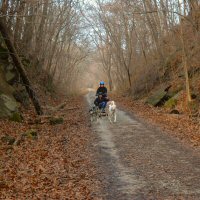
x=138, y=161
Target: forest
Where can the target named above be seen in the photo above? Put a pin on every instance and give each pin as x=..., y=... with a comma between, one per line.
x=54, y=53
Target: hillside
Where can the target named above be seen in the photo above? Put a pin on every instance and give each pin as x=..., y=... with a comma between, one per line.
x=100, y=100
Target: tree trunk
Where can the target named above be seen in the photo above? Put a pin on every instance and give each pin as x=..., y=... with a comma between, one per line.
x=19, y=67
x=40, y=32
x=184, y=58
x=129, y=78
x=110, y=81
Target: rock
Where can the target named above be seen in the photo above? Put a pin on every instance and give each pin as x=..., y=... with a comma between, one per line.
x=157, y=98
x=10, y=67
x=174, y=90
x=4, y=86
x=56, y=120
x=18, y=141
x=178, y=95
x=4, y=54
x=171, y=103
x=26, y=62
x=9, y=103
x=194, y=96
x=10, y=77
x=31, y=134
x=8, y=139
x=21, y=96
x=16, y=117
x=171, y=94
x=175, y=112
x=8, y=106
x=9, y=150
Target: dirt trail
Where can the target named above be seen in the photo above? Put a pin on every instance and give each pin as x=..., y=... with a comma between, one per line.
x=139, y=161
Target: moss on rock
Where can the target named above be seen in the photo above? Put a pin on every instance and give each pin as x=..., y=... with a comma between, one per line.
x=10, y=76
x=157, y=97
x=21, y=96
x=56, y=120
x=4, y=86
x=16, y=117
x=32, y=134
x=171, y=103
x=8, y=139
x=4, y=54
x=8, y=106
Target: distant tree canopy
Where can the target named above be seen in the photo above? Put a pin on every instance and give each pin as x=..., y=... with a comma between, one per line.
x=136, y=39
x=49, y=34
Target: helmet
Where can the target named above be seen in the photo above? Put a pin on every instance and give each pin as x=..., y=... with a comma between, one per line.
x=101, y=83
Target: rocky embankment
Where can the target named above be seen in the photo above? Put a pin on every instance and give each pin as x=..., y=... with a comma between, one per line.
x=12, y=91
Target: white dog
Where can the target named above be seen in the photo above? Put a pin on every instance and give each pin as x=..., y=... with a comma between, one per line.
x=112, y=112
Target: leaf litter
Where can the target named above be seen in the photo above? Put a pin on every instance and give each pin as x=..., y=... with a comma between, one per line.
x=56, y=165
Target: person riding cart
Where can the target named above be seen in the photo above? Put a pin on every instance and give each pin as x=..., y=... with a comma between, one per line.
x=102, y=99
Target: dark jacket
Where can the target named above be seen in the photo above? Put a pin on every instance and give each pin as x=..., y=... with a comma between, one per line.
x=100, y=100
x=102, y=90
